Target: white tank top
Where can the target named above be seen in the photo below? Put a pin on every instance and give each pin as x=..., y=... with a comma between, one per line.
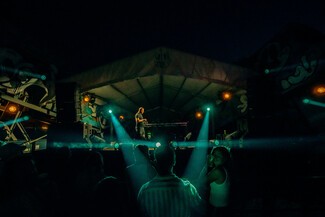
x=219, y=193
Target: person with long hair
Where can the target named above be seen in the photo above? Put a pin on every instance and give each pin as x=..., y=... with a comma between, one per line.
x=140, y=123
x=216, y=176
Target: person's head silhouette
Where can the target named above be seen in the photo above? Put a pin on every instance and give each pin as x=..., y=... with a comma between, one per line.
x=165, y=159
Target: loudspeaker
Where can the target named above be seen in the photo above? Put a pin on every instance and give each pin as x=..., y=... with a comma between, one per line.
x=67, y=102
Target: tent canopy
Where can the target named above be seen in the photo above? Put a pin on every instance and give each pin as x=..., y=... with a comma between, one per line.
x=168, y=83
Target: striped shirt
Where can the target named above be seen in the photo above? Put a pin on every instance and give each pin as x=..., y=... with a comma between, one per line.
x=168, y=196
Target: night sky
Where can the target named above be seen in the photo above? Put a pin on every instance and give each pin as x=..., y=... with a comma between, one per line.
x=80, y=36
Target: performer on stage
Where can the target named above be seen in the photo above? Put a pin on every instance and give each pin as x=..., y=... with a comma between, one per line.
x=139, y=123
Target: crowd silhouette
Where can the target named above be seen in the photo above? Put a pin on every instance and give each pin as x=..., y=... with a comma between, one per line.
x=76, y=182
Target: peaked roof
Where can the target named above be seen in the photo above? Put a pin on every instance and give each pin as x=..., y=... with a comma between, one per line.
x=167, y=82
x=164, y=61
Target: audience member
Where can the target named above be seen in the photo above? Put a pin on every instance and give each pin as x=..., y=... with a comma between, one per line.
x=10, y=151
x=138, y=173
x=109, y=198
x=91, y=173
x=167, y=194
x=217, y=181
x=25, y=192
x=142, y=170
x=96, y=193
x=86, y=180
x=61, y=171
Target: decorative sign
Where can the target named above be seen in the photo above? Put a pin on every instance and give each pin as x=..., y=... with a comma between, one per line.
x=162, y=58
x=304, y=70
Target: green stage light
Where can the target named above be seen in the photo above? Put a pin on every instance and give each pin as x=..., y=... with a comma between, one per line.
x=174, y=144
x=313, y=102
x=10, y=122
x=199, y=153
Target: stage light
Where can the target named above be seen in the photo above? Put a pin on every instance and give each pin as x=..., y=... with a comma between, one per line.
x=7, y=123
x=86, y=98
x=208, y=109
x=158, y=144
x=116, y=146
x=174, y=144
x=89, y=98
x=198, y=115
x=121, y=117
x=110, y=111
x=214, y=142
x=313, y=102
x=44, y=127
x=319, y=90
x=12, y=108
x=226, y=95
